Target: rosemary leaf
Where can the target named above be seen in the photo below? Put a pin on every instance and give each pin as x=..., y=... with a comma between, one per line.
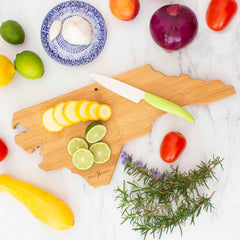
x=156, y=202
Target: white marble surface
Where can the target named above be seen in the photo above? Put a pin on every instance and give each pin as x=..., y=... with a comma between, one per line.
x=216, y=130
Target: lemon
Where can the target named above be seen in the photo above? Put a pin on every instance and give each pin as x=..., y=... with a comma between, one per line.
x=69, y=112
x=101, y=152
x=7, y=71
x=91, y=110
x=12, y=32
x=104, y=112
x=49, y=123
x=29, y=65
x=95, y=132
x=58, y=115
x=80, y=110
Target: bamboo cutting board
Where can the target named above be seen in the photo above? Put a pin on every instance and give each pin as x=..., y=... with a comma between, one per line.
x=129, y=120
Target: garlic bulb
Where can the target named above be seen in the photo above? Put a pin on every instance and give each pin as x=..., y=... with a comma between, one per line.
x=55, y=29
x=77, y=31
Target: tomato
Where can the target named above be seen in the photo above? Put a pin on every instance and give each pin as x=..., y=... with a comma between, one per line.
x=172, y=146
x=220, y=13
x=3, y=150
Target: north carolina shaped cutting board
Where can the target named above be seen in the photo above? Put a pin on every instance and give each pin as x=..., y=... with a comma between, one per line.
x=129, y=120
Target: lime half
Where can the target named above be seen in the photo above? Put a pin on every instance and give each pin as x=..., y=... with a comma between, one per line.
x=76, y=143
x=83, y=159
x=101, y=152
x=95, y=132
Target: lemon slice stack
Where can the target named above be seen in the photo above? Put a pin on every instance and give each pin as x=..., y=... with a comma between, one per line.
x=67, y=113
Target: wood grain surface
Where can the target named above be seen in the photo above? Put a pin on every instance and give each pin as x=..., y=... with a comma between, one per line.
x=129, y=120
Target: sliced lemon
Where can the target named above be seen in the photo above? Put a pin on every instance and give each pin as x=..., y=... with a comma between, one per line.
x=58, y=115
x=69, y=112
x=104, y=112
x=91, y=110
x=49, y=123
x=80, y=110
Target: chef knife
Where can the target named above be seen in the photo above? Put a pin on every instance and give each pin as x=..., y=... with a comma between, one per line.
x=136, y=95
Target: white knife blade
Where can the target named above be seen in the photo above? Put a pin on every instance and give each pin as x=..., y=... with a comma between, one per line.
x=122, y=89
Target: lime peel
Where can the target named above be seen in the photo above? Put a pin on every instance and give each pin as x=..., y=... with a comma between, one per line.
x=83, y=159
x=76, y=143
x=101, y=152
x=95, y=132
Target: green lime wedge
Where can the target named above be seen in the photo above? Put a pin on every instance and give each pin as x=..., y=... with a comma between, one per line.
x=83, y=159
x=95, y=132
x=76, y=143
x=101, y=152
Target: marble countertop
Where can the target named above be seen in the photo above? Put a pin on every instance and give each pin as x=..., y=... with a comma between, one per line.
x=129, y=45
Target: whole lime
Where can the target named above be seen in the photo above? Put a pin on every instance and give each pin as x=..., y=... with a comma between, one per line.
x=12, y=32
x=29, y=65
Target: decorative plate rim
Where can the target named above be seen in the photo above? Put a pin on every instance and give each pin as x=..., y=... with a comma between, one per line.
x=45, y=41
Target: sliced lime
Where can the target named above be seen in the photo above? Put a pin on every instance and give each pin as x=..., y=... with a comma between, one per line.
x=76, y=143
x=83, y=159
x=101, y=152
x=95, y=132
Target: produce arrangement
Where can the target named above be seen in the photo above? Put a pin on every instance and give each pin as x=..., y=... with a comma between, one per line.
x=73, y=33
x=84, y=157
x=27, y=63
x=67, y=113
x=158, y=202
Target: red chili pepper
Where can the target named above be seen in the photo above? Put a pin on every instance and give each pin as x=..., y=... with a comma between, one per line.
x=3, y=150
x=172, y=146
x=220, y=13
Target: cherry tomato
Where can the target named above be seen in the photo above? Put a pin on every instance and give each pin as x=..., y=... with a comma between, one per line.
x=172, y=146
x=220, y=13
x=3, y=150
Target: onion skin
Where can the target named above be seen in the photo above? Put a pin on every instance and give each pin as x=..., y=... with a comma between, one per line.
x=173, y=26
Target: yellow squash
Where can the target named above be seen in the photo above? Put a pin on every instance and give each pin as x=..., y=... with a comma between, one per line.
x=46, y=207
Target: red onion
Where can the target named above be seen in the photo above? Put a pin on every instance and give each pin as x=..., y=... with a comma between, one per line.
x=173, y=26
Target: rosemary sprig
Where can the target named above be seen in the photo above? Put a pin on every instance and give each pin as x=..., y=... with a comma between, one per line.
x=156, y=202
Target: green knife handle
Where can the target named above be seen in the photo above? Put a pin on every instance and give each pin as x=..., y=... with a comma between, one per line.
x=168, y=106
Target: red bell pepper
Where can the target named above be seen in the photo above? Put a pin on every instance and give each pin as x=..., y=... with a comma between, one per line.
x=220, y=13
x=3, y=150
x=172, y=146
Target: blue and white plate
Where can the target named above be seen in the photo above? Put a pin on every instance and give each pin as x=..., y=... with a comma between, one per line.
x=68, y=54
